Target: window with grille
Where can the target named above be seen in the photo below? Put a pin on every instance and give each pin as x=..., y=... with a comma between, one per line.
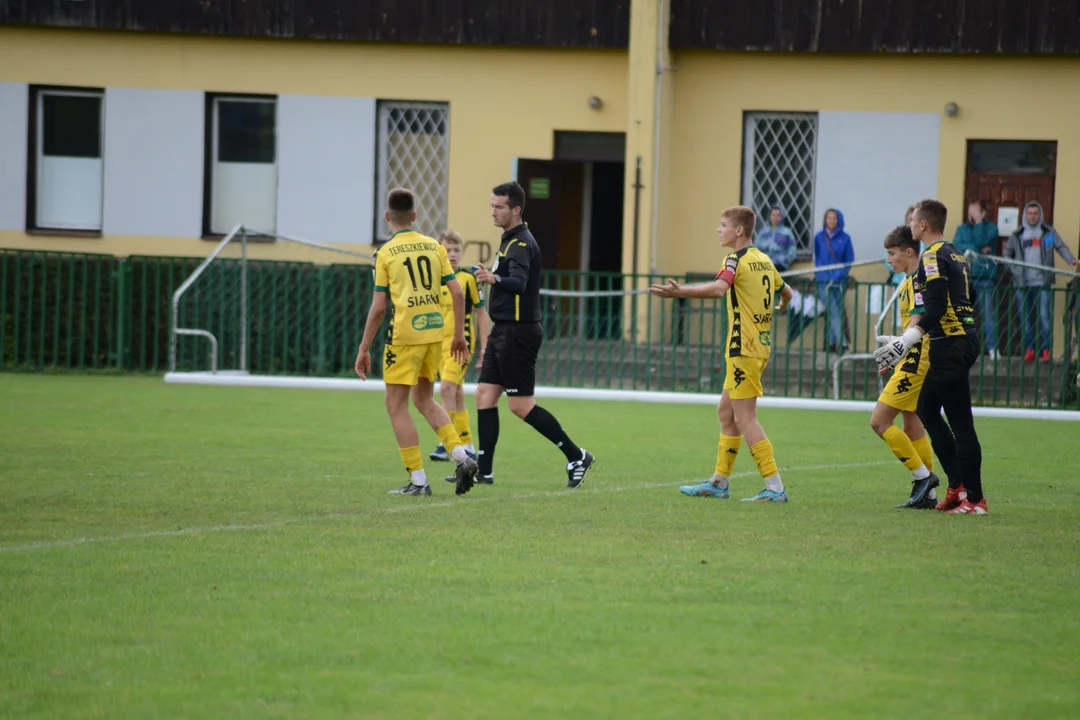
x=778, y=166
x=414, y=153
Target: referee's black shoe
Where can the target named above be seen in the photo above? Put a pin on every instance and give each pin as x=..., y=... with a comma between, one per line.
x=465, y=476
x=575, y=471
x=919, y=491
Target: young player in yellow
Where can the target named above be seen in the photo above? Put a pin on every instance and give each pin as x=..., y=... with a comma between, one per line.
x=750, y=283
x=452, y=372
x=412, y=268
x=911, y=446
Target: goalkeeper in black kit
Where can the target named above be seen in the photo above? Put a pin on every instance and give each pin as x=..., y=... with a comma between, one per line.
x=949, y=320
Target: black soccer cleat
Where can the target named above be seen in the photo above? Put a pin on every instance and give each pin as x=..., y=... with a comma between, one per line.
x=575, y=471
x=919, y=491
x=927, y=503
x=440, y=454
x=411, y=489
x=465, y=476
x=478, y=480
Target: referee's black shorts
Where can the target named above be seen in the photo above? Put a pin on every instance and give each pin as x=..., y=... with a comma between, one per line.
x=510, y=357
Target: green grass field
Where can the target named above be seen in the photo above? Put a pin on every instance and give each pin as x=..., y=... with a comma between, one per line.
x=172, y=551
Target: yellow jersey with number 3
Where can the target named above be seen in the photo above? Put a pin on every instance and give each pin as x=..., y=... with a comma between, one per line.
x=754, y=284
x=412, y=268
x=473, y=299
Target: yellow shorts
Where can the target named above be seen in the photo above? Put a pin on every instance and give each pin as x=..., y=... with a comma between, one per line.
x=743, y=377
x=902, y=391
x=406, y=364
x=451, y=370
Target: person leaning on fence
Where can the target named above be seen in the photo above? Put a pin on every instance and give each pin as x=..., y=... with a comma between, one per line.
x=949, y=319
x=509, y=364
x=832, y=246
x=749, y=276
x=412, y=268
x=777, y=240
x=980, y=236
x=911, y=446
x=1034, y=242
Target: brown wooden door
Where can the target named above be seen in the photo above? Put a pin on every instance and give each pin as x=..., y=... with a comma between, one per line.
x=1012, y=190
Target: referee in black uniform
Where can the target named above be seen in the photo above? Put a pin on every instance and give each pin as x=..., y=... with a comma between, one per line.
x=509, y=363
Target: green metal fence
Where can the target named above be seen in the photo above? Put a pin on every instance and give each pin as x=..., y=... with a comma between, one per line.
x=96, y=312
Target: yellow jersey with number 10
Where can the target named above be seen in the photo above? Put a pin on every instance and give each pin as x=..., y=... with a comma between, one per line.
x=412, y=268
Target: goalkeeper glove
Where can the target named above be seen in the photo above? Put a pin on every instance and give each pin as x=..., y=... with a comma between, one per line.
x=895, y=348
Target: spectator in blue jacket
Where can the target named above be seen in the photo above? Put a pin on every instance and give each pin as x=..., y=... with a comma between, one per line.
x=980, y=236
x=832, y=246
x=777, y=240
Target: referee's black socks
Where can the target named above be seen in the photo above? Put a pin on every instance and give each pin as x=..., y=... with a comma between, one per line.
x=487, y=428
x=546, y=424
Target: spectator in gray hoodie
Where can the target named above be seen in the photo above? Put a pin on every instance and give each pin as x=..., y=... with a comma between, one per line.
x=1035, y=242
x=777, y=240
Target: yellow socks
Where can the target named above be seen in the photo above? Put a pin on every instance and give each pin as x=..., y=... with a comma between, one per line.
x=902, y=448
x=449, y=438
x=726, y=453
x=766, y=464
x=926, y=453
x=460, y=421
x=412, y=459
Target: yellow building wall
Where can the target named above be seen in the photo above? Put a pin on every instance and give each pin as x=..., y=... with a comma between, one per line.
x=1000, y=99
x=504, y=102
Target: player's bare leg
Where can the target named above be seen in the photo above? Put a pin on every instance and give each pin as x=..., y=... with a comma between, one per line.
x=923, y=481
x=746, y=419
x=453, y=402
x=423, y=396
x=397, y=406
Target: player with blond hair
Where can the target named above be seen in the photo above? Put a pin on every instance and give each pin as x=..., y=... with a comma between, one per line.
x=452, y=373
x=749, y=282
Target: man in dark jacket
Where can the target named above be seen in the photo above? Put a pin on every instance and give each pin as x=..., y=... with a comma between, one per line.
x=1035, y=242
x=980, y=236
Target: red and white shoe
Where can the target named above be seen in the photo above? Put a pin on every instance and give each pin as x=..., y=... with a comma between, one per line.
x=967, y=508
x=953, y=499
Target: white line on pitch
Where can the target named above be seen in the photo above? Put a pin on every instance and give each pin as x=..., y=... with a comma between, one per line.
x=311, y=519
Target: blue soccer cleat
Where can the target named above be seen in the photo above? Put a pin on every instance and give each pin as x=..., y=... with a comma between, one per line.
x=768, y=495
x=705, y=489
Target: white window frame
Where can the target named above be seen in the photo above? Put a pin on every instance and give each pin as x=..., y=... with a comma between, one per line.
x=216, y=100
x=39, y=156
